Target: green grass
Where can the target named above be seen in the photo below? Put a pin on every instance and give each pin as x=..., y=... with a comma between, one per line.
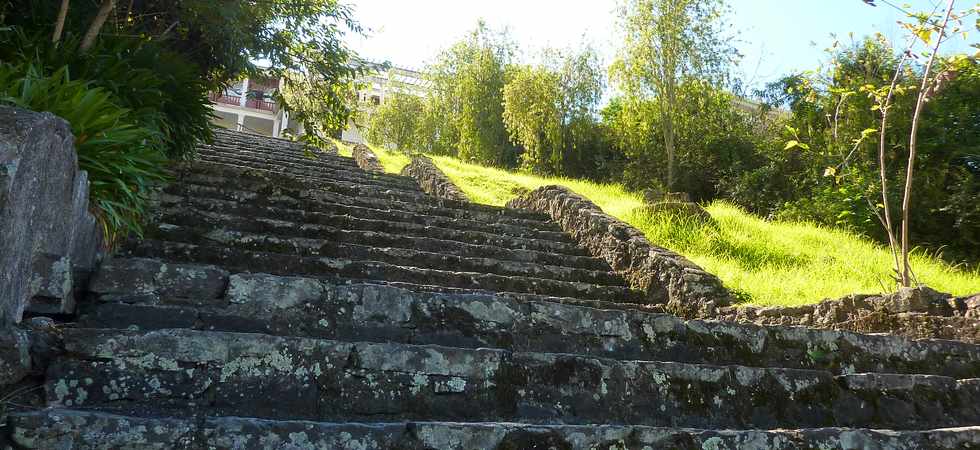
x=764, y=262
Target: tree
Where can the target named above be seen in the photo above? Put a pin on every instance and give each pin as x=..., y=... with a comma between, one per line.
x=464, y=109
x=396, y=122
x=300, y=41
x=532, y=99
x=922, y=28
x=550, y=110
x=666, y=41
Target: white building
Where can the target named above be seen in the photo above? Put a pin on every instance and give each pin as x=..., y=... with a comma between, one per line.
x=248, y=105
x=375, y=89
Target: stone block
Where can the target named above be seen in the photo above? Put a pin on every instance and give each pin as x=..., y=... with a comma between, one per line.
x=45, y=211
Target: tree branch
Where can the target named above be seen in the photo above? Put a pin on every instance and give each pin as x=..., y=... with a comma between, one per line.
x=96, y=26
x=920, y=101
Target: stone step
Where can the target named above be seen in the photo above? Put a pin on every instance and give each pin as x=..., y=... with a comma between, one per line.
x=256, y=179
x=152, y=295
x=322, y=201
x=251, y=179
x=291, y=264
x=309, y=170
x=325, y=160
x=253, y=375
x=250, y=141
x=226, y=135
x=372, y=219
x=287, y=153
x=345, y=229
x=334, y=244
x=89, y=430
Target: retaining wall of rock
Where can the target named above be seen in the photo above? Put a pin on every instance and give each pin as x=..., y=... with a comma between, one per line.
x=432, y=180
x=660, y=274
x=366, y=159
x=50, y=241
x=919, y=313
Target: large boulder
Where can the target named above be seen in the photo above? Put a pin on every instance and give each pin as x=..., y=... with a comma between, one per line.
x=49, y=238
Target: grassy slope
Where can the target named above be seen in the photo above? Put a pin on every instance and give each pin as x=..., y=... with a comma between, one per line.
x=768, y=263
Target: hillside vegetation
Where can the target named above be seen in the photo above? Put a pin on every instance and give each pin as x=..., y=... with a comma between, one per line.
x=764, y=262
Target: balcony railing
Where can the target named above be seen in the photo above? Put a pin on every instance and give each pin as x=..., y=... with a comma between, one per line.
x=260, y=104
x=236, y=100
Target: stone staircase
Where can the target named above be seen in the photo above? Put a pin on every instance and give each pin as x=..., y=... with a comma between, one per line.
x=283, y=301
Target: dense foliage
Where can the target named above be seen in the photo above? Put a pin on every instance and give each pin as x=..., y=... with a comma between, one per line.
x=157, y=60
x=122, y=157
x=483, y=107
x=665, y=43
x=804, y=148
x=551, y=112
x=833, y=177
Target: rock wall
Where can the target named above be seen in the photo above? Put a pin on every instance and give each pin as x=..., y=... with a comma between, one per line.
x=919, y=313
x=660, y=274
x=432, y=180
x=50, y=240
x=366, y=159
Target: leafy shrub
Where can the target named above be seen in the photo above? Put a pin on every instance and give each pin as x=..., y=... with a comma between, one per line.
x=123, y=158
x=163, y=91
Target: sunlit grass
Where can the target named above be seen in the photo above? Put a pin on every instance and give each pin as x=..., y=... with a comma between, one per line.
x=764, y=262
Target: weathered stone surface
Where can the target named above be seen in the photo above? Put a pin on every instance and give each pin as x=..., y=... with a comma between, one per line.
x=141, y=279
x=918, y=313
x=56, y=429
x=358, y=336
x=55, y=294
x=15, y=357
x=43, y=208
x=253, y=375
x=366, y=159
x=432, y=180
x=661, y=275
x=320, y=308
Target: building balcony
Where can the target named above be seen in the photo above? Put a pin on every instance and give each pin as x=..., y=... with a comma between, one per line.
x=235, y=100
x=225, y=99
x=261, y=104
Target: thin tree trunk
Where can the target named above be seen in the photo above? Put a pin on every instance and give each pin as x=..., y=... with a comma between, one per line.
x=882, y=174
x=96, y=26
x=668, y=123
x=907, y=200
x=59, y=25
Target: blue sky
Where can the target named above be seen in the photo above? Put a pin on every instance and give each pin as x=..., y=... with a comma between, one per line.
x=775, y=36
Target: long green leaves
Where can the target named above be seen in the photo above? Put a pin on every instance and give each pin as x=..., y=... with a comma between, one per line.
x=123, y=159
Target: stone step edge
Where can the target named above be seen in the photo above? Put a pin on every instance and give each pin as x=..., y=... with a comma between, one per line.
x=348, y=268
x=609, y=328
x=173, y=205
x=307, y=170
x=486, y=383
x=426, y=259
x=324, y=207
x=337, y=189
x=388, y=254
x=62, y=428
